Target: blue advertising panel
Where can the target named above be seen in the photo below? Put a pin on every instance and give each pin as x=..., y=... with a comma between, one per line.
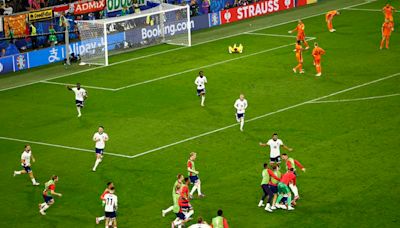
x=6, y=64
x=214, y=19
x=21, y=62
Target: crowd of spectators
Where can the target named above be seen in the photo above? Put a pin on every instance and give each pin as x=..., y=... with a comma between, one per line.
x=9, y=7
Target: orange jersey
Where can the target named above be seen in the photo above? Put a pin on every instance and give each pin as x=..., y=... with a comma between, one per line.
x=299, y=49
x=387, y=28
x=330, y=15
x=317, y=52
x=300, y=30
x=388, y=11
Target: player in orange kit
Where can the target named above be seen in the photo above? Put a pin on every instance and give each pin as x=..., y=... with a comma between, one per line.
x=300, y=33
x=317, y=53
x=387, y=29
x=388, y=11
x=329, y=17
x=299, y=56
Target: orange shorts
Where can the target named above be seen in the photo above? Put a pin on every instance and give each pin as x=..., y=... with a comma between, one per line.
x=390, y=18
x=317, y=61
x=299, y=58
x=301, y=37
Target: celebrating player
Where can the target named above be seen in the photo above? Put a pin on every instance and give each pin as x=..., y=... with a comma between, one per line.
x=387, y=29
x=290, y=164
x=329, y=17
x=110, y=208
x=317, y=53
x=299, y=56
x=80, y=97
x=26, y=164
x=267, y=175
x=283, y=189
x=100, y=137
x=219, y=221
x=179, y=181
x=48, y=192
x=388, y=12
x=273, y=184
x=200, y=224
x=193, y=176
x=300, y=33
x=275, y=145
x=201, y=82
x=240, y=105
x=110, y=185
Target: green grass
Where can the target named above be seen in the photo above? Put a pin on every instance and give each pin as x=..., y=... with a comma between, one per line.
x=350, y=149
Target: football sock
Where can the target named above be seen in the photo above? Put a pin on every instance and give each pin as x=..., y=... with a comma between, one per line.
x=33, y=181
x=279, y=199
x=294, y=190
x=202, y=100
x=241, y=124
x=17, y=172
x=199, y=189
x=101, y=218
x=193, y=189
x=45, y=207
x=168, y=209
x=96, y=163
x=79, y=110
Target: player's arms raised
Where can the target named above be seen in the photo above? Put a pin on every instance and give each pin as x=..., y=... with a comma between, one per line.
x=272, y=174
x=69, y=87
x=287, y=148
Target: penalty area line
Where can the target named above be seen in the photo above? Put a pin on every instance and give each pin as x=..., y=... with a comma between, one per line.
x=83, y=86
x=356, y=99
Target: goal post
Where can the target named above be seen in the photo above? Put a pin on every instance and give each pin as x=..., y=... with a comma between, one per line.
x=163, y=24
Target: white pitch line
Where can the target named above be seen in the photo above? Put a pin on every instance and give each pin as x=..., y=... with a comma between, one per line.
x=83, y=86
x=175, y=49
x=205, y=66
x=60, y=146
x=277, y=35
x=356, y=99
x=265, y=115
x=368, y=10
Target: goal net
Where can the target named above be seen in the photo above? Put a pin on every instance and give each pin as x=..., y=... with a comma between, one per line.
x=164, y=23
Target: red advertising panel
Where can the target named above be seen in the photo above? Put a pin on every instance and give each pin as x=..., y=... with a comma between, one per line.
x=301, y=2
x=254, y=10
x=89, y=7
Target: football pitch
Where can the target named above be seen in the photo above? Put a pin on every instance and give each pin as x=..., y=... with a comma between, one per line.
x=343, y=126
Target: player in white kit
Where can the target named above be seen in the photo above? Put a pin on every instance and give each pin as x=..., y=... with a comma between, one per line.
x=275, y=145
x=110, y=208
x=80, y=97
x=240, y=105
x=100, y=137
x=201, y=82
x=26, y=157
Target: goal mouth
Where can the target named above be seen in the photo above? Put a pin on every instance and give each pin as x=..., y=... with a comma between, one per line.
x=163, y=24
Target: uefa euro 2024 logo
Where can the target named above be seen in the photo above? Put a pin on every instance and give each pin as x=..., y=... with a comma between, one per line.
x=227, y=16
x=287, y=3
x=21, y=62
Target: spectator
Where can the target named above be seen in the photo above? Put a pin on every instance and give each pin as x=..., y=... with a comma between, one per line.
x=205, y=6
x=34, y=4
x=8, y=10
x=227, y=5
x=33, y=36
x=194, y=8
x=52, y=36
x=3, y=52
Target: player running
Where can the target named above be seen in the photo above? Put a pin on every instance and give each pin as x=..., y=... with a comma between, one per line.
x=219, y=221
x=48, y=192
x=283, y=189
x=291, y=164
x=329, y=18
x=300, y=33
x=26, y=157
x=180, y=179
x=201, y=82
x=275, y=145
x=100, y=137
x=387, y=29
x=193, y=176
x=267, y=175
x=388, y=12
x=317, y=53
x=240, y=105
x=110, y=185
x=80, y=97
x=110, y=208
x=299, y=56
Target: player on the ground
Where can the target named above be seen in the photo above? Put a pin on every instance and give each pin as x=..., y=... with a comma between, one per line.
x=329, y=17
x=267, y=175
x=273, y=184
x=80, y=96
x=388, y=12
x=299, y=56
x=193, y=176
x=219, y=221
x=386, y=33
x=283, y=189
x=275, y=145
x=291, y=164
x=100, y=137
x=26, y=157
x=300, y=33
x=110, y=208
x=240, y=105
x=48, y=192
x=110, y=185
x=317, y=53
x=200, y=224
x=179, y=181
x=201, y=82
x=235, y=49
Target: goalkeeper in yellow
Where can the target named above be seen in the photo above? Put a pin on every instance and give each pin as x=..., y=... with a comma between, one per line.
x=235, y=49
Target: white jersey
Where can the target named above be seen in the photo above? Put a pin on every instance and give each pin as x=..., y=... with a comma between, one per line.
x=240, y=106
x=79, y=93
x=111, y=201
x=275, y=147
x=26, y=156
x=102, y=138
x=198, y=225
x=201, y=82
